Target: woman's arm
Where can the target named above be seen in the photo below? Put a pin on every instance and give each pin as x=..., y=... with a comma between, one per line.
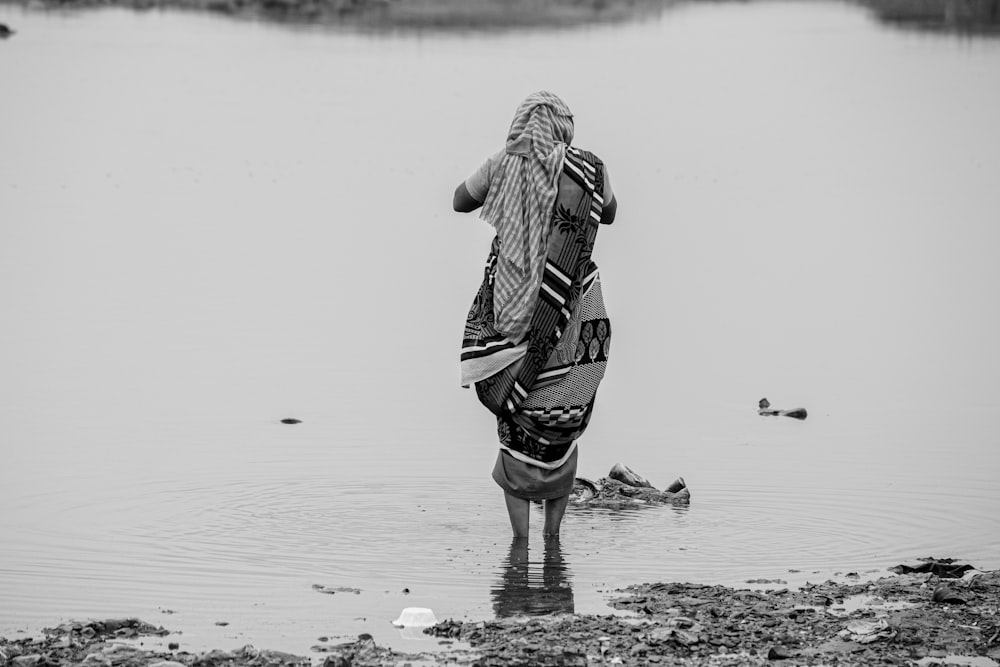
x=609, y=211
x=610, y=201
x=463, y=201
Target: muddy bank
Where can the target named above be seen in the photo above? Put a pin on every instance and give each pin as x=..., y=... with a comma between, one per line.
x=920, y=619
x=912, y=619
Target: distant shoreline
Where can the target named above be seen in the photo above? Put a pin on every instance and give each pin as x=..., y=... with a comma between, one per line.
x=445, y=15
x=914, y=618
x=958, y=16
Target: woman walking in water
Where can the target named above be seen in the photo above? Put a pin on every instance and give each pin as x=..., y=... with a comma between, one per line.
x=537, y=337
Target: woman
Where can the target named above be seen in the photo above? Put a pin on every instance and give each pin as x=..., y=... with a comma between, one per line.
x=537, y=337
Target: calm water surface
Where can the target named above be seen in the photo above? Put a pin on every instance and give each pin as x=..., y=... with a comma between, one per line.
x=209, y=225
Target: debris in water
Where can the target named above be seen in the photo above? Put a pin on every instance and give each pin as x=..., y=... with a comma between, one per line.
x=945, y=595
x=623, y=486
x=330, y=590
x=765, y=409
x=946, y=568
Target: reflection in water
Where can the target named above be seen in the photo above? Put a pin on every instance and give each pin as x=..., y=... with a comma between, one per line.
x=626, y=513
x=533, y=588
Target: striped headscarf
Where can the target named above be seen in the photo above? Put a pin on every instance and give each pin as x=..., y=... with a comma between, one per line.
x=519, y=205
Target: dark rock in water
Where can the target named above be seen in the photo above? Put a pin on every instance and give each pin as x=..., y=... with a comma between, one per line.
x=6, y=32
x=291, y=420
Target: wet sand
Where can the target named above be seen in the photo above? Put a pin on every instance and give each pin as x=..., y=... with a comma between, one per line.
x=909, y=619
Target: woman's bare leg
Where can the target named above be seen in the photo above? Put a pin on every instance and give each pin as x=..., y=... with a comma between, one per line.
x=519, y=510
x=554, y=510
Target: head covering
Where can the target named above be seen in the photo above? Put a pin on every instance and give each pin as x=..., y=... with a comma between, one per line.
x=519, y=205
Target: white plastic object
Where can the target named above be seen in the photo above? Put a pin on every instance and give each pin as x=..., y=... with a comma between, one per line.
x=415, y=617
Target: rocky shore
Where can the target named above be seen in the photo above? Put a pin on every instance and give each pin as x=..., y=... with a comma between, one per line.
x=922, y=617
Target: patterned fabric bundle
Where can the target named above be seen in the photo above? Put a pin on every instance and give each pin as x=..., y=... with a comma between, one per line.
x=519, y=205
x=543, y=402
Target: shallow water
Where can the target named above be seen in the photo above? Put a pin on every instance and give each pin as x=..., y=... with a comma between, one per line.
x=210, y=225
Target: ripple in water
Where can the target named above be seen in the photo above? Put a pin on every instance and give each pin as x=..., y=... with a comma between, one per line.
x=251, y=549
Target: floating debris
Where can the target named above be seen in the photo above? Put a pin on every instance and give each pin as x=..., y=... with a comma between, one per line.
x=415, y=617
x=330, y=590
x=623, y=487
x=946, y=568
x=764, y=408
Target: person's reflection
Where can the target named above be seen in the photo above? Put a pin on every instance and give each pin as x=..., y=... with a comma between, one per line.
x=531, y=588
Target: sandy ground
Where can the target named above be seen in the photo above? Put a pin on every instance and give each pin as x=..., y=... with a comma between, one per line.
x=917, y=618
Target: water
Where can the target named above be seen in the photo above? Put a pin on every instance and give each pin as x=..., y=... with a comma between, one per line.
x=210, y=225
